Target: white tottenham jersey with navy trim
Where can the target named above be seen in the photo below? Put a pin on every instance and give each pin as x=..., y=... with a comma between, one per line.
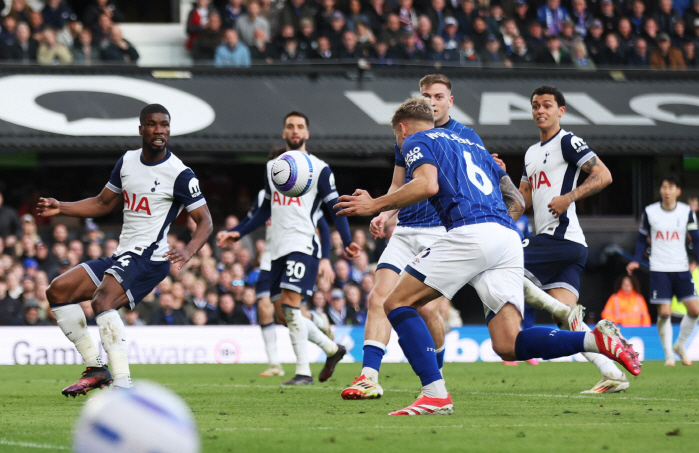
x=294, y=219
x=154, y=195
x=668, y=236
x=552, y=169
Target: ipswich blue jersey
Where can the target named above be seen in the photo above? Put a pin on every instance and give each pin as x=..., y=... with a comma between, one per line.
x=469, y=179
x=423, y=214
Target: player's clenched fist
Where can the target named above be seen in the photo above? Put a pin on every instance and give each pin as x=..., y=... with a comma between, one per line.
x=46, y=207
x=226, y=238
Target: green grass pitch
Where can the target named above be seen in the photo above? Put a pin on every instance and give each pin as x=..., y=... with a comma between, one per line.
x=497, y=409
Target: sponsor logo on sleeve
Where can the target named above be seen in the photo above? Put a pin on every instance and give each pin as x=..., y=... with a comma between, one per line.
x=194, y=190
x=413, y=155
x=578, y=144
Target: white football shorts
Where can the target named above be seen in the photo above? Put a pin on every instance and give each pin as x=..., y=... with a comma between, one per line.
x=488, y=256
x=405, y=243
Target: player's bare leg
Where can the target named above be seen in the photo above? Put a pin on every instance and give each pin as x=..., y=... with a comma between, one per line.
x=689, y=322
x=265, y=312
x=110, y=297
x=63, y=294
x=613, y=379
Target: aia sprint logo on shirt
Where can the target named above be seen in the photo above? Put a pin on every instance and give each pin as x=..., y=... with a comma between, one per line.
x=413, y=155
x=667, y=236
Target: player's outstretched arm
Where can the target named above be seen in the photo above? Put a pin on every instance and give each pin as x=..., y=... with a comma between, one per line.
x=97, y=206
x=599, y=178
x=202, y=217
x=512, y=197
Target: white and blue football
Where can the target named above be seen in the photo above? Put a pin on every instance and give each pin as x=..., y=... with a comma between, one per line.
x=293, y=174
x=146, y=419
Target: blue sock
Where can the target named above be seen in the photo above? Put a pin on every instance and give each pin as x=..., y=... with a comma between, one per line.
x=529, y=317
x=440, y=359
x=372, y=357
x=416, y=342
x=548, y=343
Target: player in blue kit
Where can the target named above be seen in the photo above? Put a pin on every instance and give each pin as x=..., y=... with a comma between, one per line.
x=155, y=186
x=418, y=227
x=477, y=204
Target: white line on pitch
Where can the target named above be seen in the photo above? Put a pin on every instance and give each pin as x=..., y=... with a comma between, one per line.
x=31, y=445
x=332, y=428
x=416, y=391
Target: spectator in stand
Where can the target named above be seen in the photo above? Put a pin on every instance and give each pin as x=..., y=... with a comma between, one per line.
x=520, y=54
x=232, y=12
x=639, y=55
x=626, y=306
x=691, y=15
x=551, y=16
x=554, y=55
x=666, y=56
x=408, y=50
x=286, y=32
x=249, y=305
x=56, y=13
x=119, y=50
x=307, y=37
x=8, y=31
x=97, y=7
x=10, y=307
x=495, y=19
x=382, y=55
x=536, y=41
x=479, y=34
x=695, y=37
x=249, y=22
x=338, y=26
x=467, y=55
x=349, y=50
x=21, y=10
x=689, y=51
x=232, y=53
x=319, y=305
x=365, y=37
x=437, y=14
x=324, y=16
x=199, y=318
x=355, y=15
x=665, y=16
x=100, y=35
x=522, y=15
x=377, y=13
x=580, y=58
x=209, y=39
x=229, y=313
x=9, y=220
x=131, y=318
x=261, y=50
x=626, y=36
x=47, y=262
x=342, y=273
x=391, y=33
x=291, y=52
x=338, y=311
x=52, y=52
x=612, y=54
x=68, y=35
x=166, y=313
x=36, y=23
x=594, y=41
x=638, y=15
x=198, y=20
x=493, y=55
x=31, y=315
x=295, y=10
x=581, y=17
x=354, y=300
x=452, y=37
x=424, y=32
x=678, y=36
x=568, y=36
x=211, y=307
x=608, y=16
x=465, y=16
x=439, y=52
x=508, y=32
x=406, y=14
x=650, y=33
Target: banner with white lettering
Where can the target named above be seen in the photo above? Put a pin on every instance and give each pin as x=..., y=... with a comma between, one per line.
x=244, y=344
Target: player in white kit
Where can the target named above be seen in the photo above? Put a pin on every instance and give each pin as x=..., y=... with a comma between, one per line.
x=295, y=251
x=667, y=224
x=555, y=257
x=155, y=186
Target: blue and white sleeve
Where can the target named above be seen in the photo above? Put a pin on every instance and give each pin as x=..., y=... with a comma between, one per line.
x=187, y=190
x=329, y=195
x=114, y=183
x=416, y=152
x=400, y=162
x=575, y=150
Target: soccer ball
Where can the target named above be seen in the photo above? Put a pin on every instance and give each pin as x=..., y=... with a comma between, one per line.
x=146, y=419
x=293, y=174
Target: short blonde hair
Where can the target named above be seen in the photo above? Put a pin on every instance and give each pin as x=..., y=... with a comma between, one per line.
x=417, y=108
x=431, y=79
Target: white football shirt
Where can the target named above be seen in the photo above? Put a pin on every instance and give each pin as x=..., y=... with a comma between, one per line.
x=668, y=236
x=552, y=169
x=154, y=195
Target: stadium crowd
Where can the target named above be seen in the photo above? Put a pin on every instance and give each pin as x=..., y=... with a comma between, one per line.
x=215, y=287
x=585, y=34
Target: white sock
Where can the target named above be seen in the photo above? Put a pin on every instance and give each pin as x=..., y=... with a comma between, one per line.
x=665, y=333
x=317, y=337
x=269, y=335
x=436, y=389
x=114, y=343
x=71, y=320
x=541, y=300
x=589, y=343
x=371, y=374
x=604, y=364
x=686, y=328
x=299, y=338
